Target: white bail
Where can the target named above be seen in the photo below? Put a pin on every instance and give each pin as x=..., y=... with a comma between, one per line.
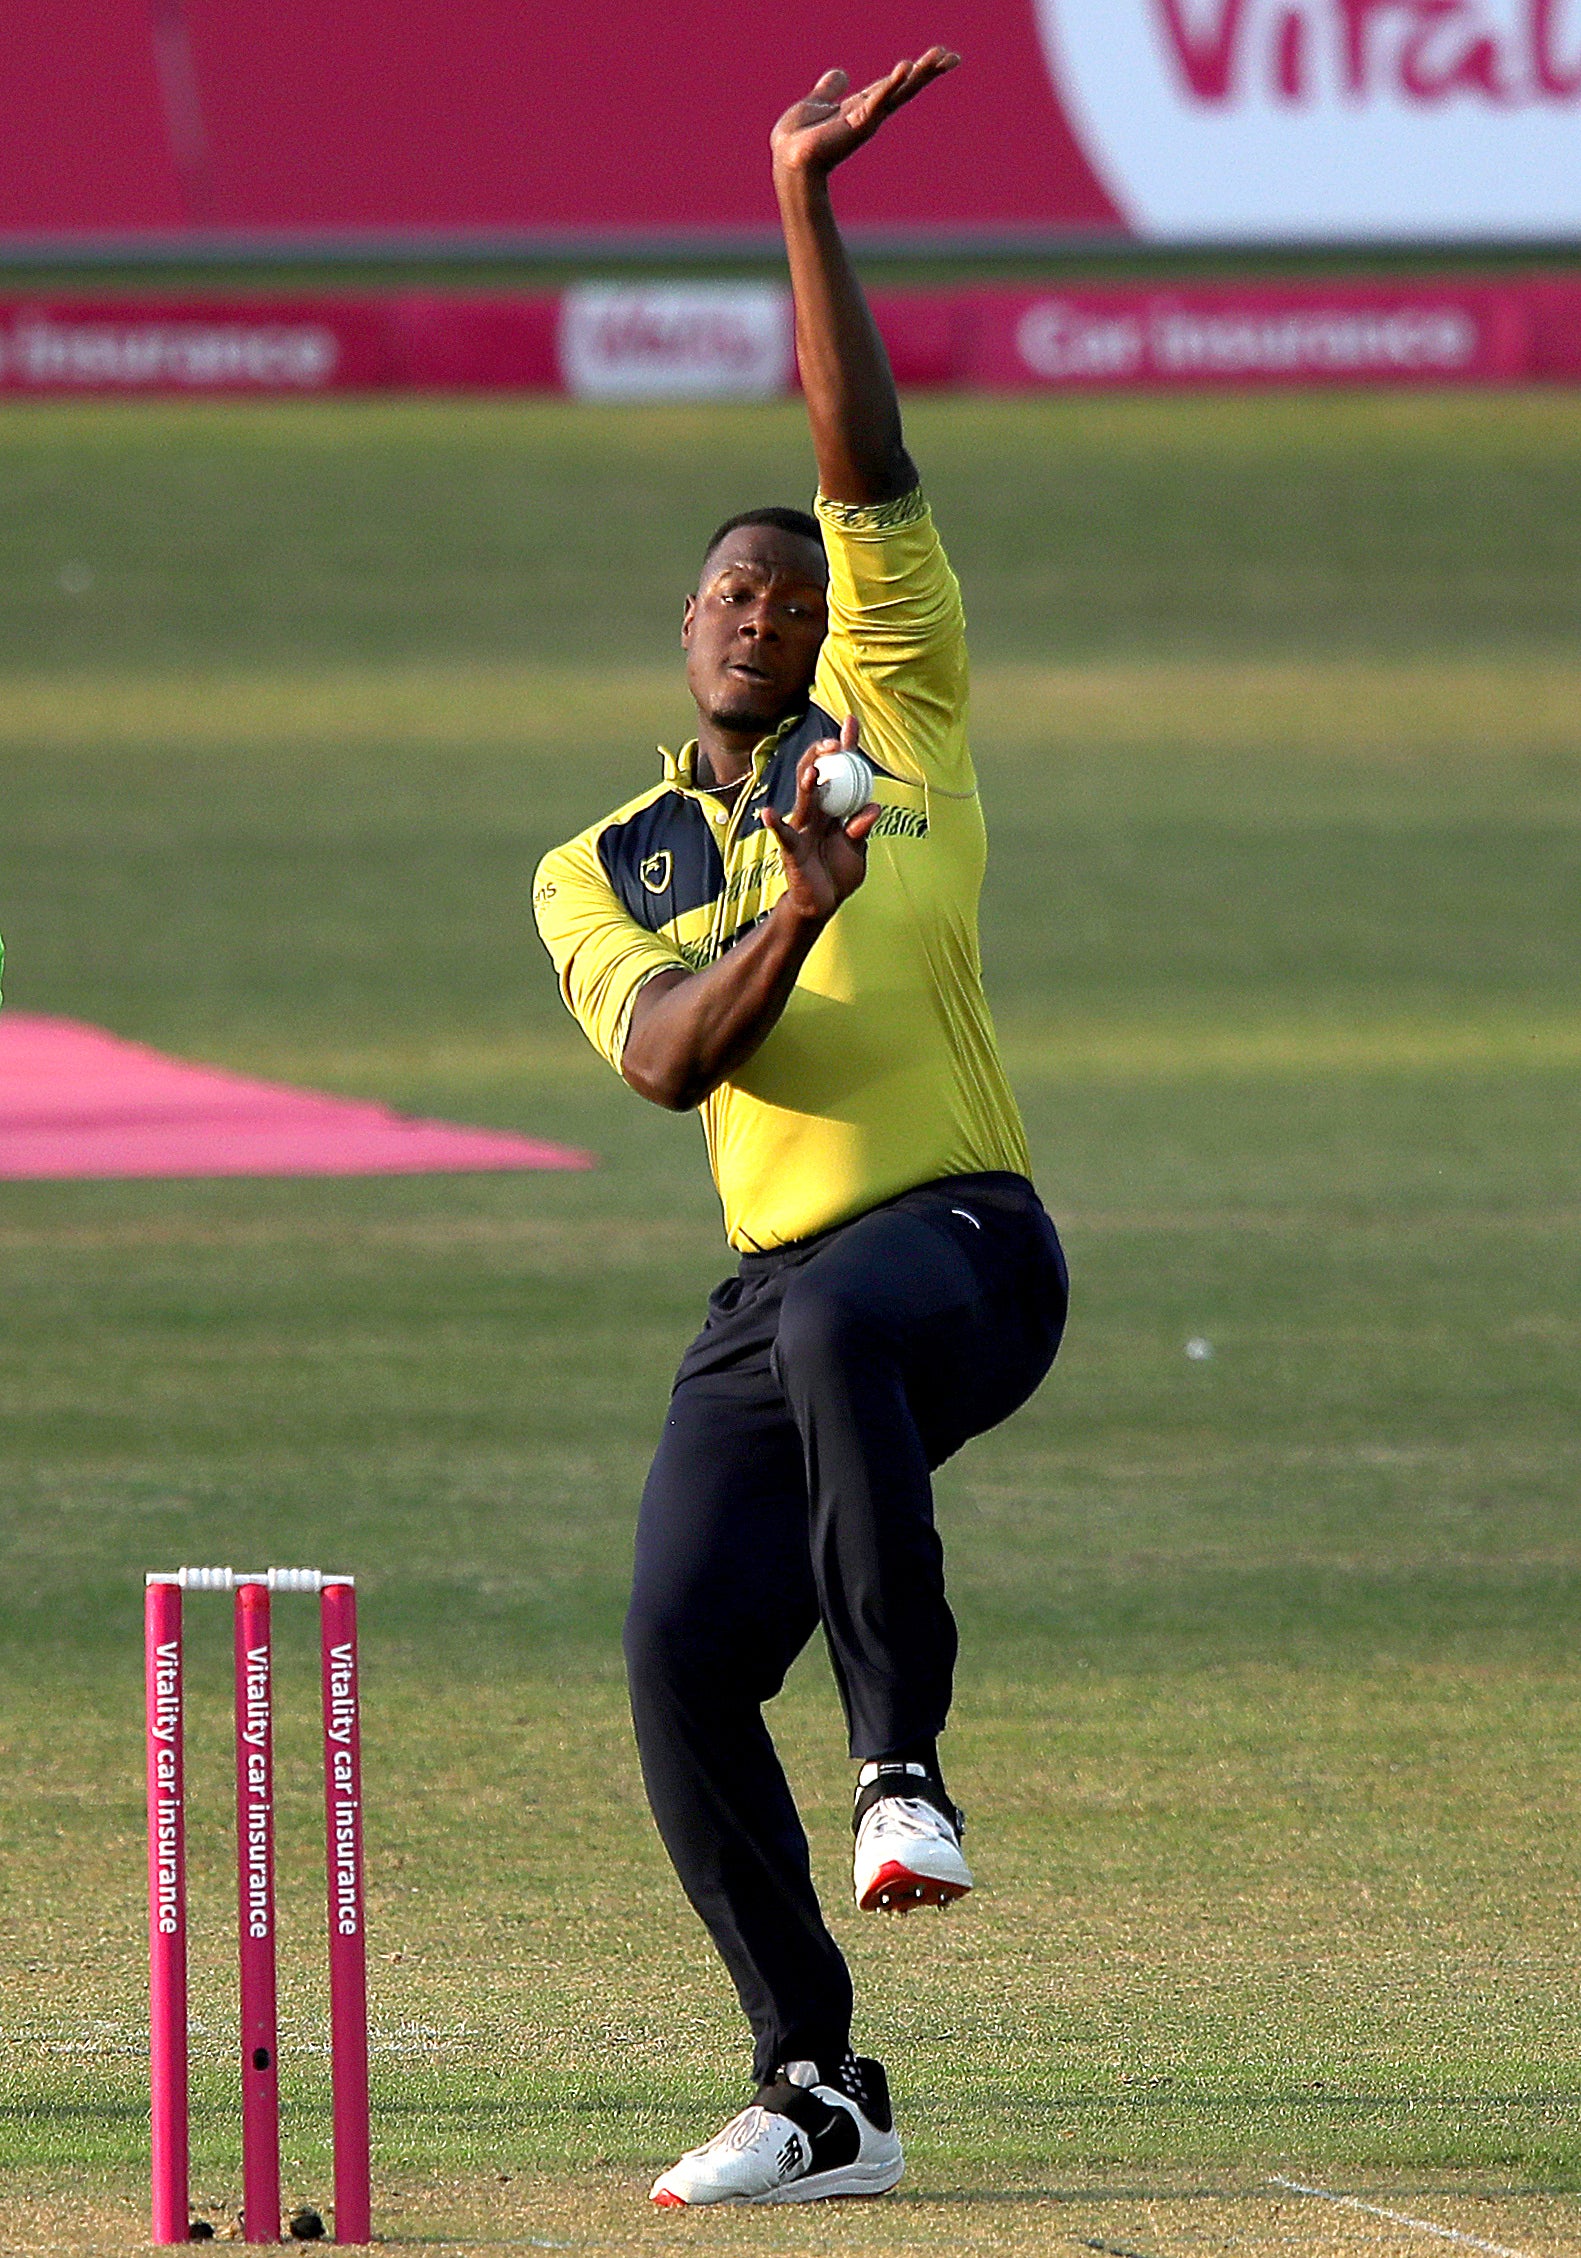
x=227, y=1579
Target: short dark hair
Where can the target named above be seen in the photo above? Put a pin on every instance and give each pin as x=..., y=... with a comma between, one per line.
x=787, y=521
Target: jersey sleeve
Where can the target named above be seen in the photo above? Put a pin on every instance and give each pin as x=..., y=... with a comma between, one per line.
x=895, y=653
x=601, y=954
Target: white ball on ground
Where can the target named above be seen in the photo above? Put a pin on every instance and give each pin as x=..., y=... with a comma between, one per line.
x=845, y=784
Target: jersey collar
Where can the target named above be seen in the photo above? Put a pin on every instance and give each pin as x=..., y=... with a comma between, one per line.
x=680, y=769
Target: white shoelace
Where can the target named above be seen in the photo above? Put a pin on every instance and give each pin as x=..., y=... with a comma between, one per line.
x=906, y=1817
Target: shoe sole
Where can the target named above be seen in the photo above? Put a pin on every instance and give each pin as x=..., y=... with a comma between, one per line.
x=896, y=1889
x=819, y=2187
x=849, y=2180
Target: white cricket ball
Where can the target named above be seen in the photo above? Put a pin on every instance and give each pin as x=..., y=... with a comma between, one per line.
x=845, y=784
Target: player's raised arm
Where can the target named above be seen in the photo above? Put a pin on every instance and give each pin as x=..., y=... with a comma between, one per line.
x=850, y=393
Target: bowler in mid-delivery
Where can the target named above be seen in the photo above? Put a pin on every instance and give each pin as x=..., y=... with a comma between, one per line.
x=813, y=986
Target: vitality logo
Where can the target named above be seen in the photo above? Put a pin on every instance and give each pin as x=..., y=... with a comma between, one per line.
x=1326, y=118
x=1413, y=51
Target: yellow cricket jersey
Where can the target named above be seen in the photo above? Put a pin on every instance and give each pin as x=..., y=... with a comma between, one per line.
x=883, y=1071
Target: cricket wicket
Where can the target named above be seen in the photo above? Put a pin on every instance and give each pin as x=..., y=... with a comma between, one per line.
x=255, y=1869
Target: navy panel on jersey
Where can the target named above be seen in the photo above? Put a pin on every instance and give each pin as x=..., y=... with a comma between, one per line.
x=778, y=788
x=663, y=861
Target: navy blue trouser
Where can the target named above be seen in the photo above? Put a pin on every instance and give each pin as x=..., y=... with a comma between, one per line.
x=791, y=1487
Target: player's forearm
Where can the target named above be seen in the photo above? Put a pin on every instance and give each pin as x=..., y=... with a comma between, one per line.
x=691, y=1031
x=845, y=374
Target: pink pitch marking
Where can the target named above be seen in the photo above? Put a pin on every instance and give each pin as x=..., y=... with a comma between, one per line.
x=255, y=1915
x=167, y=1911
x=76, y=1101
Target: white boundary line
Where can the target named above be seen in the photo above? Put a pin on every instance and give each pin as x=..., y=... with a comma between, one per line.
x=1401, y=2219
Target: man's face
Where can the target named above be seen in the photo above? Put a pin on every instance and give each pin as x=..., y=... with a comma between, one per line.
x=753, y=630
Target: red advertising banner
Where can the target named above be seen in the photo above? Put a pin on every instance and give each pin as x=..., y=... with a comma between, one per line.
x=271, y=122
x=691, y=341
x=239, y=345
x=1257, y=335
x=458, y=119
x=446, y=343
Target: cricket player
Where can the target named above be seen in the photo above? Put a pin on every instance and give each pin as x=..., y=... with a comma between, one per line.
x=812, y=985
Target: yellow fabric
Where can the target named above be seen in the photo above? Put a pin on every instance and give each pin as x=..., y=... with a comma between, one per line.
x=601, y=954
x=883, y=1071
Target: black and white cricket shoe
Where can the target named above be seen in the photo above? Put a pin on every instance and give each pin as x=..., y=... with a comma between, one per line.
x=908, y=1840
x=797, y=2141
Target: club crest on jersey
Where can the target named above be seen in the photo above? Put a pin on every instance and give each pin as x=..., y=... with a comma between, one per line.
x=656, y=871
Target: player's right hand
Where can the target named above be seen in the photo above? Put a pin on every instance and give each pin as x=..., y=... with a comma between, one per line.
x=819, y=133
x=825, y=860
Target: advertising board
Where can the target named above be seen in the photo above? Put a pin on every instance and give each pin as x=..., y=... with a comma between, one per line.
x=1251, y=335
x=682, y=341
x=676, y=341
x=171, y=345
x=1269, y=120
x=439, y=124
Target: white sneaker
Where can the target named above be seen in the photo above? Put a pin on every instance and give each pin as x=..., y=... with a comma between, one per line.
x=908, y=1848
x=796, y=2142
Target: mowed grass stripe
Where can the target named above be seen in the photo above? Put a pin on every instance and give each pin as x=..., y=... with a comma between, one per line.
x=1034, y=1052
x=1494, y=706
x=1166, y=1054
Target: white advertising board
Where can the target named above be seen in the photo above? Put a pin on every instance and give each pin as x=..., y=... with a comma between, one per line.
x=1327, y=120
x=676, y=341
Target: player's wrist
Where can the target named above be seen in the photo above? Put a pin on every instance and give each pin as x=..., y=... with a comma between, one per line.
x=800, y=920
x=801, y=181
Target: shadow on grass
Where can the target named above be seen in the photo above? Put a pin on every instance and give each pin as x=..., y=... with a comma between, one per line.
x=1255, y=2190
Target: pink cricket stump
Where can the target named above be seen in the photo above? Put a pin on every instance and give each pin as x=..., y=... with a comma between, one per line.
x=167, y=1909
x=167, y=1897
x=348, y=1970
x=255, y=1914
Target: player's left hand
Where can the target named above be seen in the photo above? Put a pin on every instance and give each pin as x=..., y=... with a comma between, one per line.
x=819, y=133
x=825, y=860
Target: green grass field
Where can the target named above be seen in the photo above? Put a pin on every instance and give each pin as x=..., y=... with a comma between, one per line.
x=1270, y=1713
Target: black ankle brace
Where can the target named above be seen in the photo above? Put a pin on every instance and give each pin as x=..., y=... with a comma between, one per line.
x=863, y=2081
x=894, y=1776
x=857, y=2076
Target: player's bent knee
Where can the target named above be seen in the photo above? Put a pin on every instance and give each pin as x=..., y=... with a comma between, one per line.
x=679, y=1667
x=673, y=1653
x=657, y=1647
